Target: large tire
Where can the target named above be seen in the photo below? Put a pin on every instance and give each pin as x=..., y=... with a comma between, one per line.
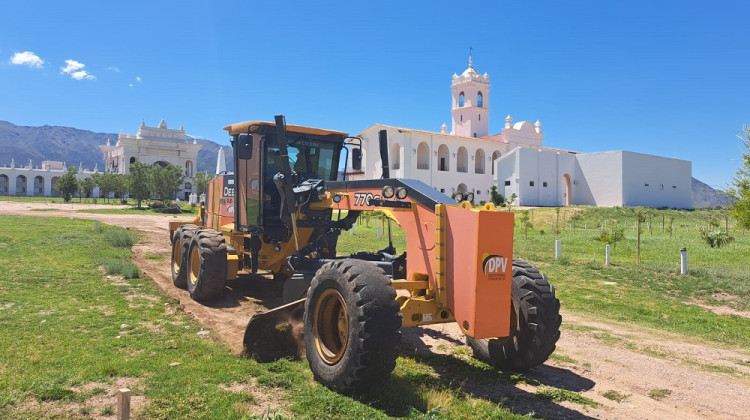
x=208, y=265
x=351, y=325
x=180, y=251
x=535, y=324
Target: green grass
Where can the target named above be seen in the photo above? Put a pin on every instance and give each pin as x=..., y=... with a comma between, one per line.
x=659, y=393
x=615, y=396
x=63, y=325
x=559, y=394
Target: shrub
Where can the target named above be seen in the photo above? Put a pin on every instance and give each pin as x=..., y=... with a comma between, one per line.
x=119, y=237
x=173, y=208
x=120, y=268
x=156, y=205
x=716, y=238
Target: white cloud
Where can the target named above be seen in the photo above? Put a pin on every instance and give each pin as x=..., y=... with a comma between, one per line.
x=114, y=69
x=130, y=85
x=138, y=78
x=27, y=58
x=76, y=71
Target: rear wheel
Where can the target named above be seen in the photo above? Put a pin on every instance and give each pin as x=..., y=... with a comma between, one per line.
x=535, y=324
x=208, y=265
x=351, y=325
x=180, y=250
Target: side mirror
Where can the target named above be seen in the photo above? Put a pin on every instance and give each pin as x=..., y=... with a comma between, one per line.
x=357, y=159
x=245, y=146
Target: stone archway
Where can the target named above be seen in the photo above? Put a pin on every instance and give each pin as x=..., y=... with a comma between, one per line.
x=38, y=186
x=4, y=185
x=567, y=190
x=20, y=185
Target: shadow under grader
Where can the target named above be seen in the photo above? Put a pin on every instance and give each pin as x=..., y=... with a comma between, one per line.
x=259, y=289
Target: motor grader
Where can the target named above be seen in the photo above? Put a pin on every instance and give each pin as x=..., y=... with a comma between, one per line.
x=281, y=214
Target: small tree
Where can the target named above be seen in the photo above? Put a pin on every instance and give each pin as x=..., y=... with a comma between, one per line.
x=138, y=182
x=106, y=182
x=740, y=190
x=201, y=180
x=86, y=187
x=165, y=181
x=120, y=186
x=526, y=220
x=68, y=184
x=511, y=200
x=496, y=198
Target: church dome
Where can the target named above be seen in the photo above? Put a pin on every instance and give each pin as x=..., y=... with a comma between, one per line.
x=163, y=124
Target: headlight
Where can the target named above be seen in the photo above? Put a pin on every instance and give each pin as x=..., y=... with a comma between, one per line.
x=388, y=192
x=469, y=197
x=336, y=198
x=458, y=197
x=401, y=193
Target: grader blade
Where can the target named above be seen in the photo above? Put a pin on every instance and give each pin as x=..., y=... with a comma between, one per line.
x=276, y=334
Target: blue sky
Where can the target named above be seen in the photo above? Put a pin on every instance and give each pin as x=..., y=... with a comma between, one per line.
x=669, y=78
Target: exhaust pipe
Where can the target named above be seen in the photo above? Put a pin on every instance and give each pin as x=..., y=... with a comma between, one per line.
x=384, y=154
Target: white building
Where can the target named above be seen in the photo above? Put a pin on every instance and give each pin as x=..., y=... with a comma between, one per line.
x=154, y=146
x=605, y=179
x=40, y=181
x=468, y=159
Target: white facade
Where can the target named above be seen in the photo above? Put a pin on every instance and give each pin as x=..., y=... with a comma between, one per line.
x=459, y=161
x=40, y=181
x=154, y=146
x=605, y=179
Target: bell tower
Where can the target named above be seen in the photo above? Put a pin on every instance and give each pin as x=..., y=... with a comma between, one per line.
x=471, y=103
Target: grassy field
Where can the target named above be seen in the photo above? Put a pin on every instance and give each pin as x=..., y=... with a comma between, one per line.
x=69, y=335
x=653, y=293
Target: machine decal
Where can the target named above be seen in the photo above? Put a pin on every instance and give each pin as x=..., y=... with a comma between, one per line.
x=493, y=267
x=363, y=199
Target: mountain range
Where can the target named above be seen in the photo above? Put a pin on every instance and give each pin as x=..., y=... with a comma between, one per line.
x=74, y=146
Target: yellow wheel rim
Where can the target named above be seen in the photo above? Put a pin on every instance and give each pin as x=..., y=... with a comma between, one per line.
x=177, y=256
x=331, y=326
x=195, y=264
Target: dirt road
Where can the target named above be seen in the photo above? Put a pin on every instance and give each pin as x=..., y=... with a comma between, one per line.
x=653, y=374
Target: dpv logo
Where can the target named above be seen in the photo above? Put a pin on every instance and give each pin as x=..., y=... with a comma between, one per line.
x=493, y=267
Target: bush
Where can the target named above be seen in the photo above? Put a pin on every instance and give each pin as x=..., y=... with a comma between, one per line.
x=120, y=268
x=119, y=237
x=716, y=238
x=173, y=208
x=157, y=205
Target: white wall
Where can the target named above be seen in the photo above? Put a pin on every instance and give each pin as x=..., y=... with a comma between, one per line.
x=655, y=181
x=601, y=173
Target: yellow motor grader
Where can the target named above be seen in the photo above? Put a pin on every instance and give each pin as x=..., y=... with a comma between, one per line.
x=281, y=214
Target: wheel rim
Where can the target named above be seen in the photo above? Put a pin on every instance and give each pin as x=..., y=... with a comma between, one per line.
x=331, y=326
x=195, y=263
x=177, y=256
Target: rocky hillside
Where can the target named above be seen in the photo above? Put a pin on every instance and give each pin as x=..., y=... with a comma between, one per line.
x=704, y=196
x=73, y=146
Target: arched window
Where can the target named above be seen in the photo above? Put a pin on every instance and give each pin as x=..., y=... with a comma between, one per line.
x=38, y=186
x=462, y=160
x=4, y=184
x=479, y=99
x=443, y=158
x=132, y=160
x=189, y=168
x=462, y=188
x=423, y=156
x=479, y=162
x=395, y=156
x=461, y=100
x=21, y=185
x=495, y=155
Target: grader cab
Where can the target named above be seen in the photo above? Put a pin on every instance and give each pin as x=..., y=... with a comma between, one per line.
x=282, y=213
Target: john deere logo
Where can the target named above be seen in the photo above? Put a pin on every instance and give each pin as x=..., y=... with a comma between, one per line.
x=493, y=267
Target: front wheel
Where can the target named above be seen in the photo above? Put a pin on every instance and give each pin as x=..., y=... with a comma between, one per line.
x=535, y=324
x=351, y=325
x=208, y=265
x=180, y=250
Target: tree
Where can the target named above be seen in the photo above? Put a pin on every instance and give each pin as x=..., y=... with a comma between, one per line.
x=120, y=185
x=165, y=181
x=138, y=182
x=85, y=187
x=201, y=180
x=106, y=183
x=740, y=190
x=496, y=198
x=526, y=220
x=68, y=184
